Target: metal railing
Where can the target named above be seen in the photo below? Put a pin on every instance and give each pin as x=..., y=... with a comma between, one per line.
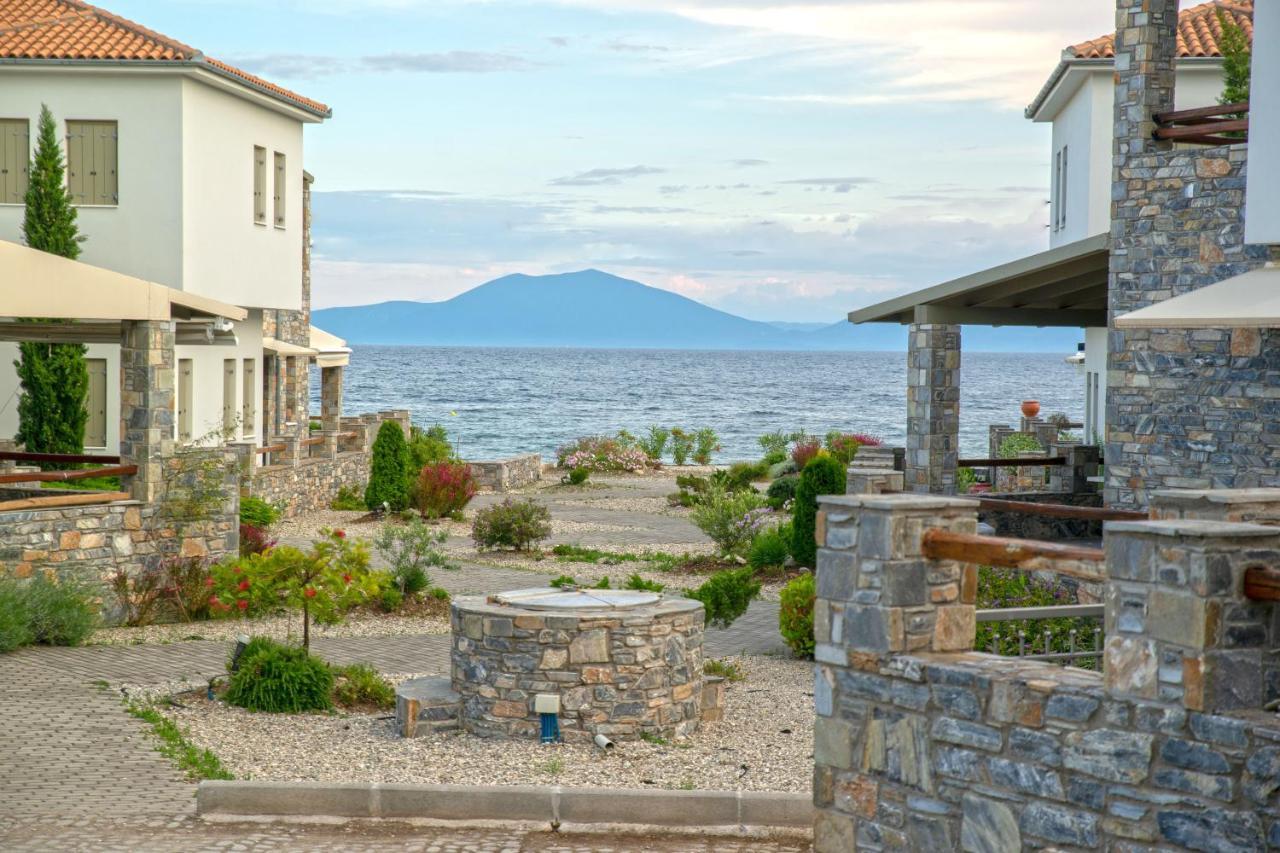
x=1079, y=644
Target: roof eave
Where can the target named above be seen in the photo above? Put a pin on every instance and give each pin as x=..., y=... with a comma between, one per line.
x=1053, y=84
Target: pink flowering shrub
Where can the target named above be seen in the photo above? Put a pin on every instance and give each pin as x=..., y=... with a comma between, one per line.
x=600, y=453
x=444, y=488
x=844, y=445
x=803, y=451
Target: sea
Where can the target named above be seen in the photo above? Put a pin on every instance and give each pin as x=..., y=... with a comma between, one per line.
x=498, y=402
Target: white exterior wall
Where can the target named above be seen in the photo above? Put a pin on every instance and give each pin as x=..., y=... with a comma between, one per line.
x=9, y=391
x=226, y=255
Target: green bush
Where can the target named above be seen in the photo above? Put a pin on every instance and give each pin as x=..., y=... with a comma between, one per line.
x=795, y=615
x=578, y=476
x=360, y=686
x=656, y=443
x=823, y=475
x=770, y=549
x=257, y=512
x=637, y=582
x=706, y=443
x=681, y=445
x=15, y=626
x=782, y=469
x=742, y=474
x=59, y=613
x=774, y=444
x=427, y=446
x=517, y=524
x=411, y=549
x=782, y=490
x=731, y=519
x=347, y=499
x=563, y=581
x=389, y=471
x=390, y=599
x=726, y=595
x=965, y=480
x=280, y=679
x=1005, y=588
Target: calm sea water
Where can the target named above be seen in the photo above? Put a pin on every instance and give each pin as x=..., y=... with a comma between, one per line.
x=511, y=401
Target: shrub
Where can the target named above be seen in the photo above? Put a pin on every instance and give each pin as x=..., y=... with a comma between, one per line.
x=254, y=539
x=844, y=445
x=805, y=451
x=410, y=550
x=726, y=595
x=427, y=446
x=390, y=599
x=637, y=582
x=966, y=479
x=516, y=524
x=774, y=444
x=578, y=476
x=724, y=669
x=769, y=550
x=707, y=443
x=1018, y=442
x=655, y=443
x=444, y=488
x=360, y=686
x=824, y=475
x=347, y=499
x=59, y=613
x=1005, y=588
x=795, y=615
x=389, y=471
x=15, y=626
x=563, y=581
x=742, y=474
x=731, y=519
x=782, y=490
x=138, y=596
x=681, y=445
x=186, y=582
x=280, y=679
x=601, y=453
x=257, y=512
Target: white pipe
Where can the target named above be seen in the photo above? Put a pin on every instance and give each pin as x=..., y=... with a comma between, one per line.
x=603, y=742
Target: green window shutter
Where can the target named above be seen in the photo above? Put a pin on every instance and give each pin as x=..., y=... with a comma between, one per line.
x=78, y=162
x=259, y=184
x=279, y=190
x=93, y=162
x=15, y=158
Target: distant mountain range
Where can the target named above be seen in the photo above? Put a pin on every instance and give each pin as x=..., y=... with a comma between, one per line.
x=591, y=308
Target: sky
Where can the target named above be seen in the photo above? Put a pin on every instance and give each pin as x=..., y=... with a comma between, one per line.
x=780, y=160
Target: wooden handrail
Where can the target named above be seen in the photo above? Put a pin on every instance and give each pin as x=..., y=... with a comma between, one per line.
x=1025, y=554
x=1086, y=513
x=22, y=456
x=348, y=435
x=271, y=448
x=311, y=442
x=1201, y=129
x=64, y=476
x=1012, y=463
x=1262, y=583
x=53, y=501
x=1200, y=113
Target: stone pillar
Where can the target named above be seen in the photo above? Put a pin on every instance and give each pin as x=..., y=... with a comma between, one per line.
x=292, y=453
x=1179, y=628
x=1146, y=50
x=1256, y=506
x=933, y=408
x=296, y=393
x=331, y=397
x=146, y=403
x=872, y=481
x=1073, y=476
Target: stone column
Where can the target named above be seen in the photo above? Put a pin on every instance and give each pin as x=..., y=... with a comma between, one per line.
x=933, y=408
x=297, y=393
x=146, y=403
x=872, y=481
x=331, y=397
x=1179, y=628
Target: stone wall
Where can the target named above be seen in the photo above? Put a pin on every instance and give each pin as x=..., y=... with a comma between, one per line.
x=619, y=674
x=509, y=474
x=922, y=744
x=1021, y=525
x=1186, y=408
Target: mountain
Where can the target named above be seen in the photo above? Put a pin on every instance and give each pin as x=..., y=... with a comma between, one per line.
x=591, y=308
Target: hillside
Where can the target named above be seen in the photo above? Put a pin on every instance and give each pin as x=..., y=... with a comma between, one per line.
x=591, y=308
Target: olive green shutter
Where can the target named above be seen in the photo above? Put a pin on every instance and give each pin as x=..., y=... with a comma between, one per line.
x=229, y=396
x=248, y=391
x=279, y=189
x=259, y=184
x=185, y=378
x=93, y=162
x=95, y=431
x=15, y=156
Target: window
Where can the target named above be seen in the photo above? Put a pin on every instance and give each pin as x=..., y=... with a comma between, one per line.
x=185, y=370
x=279, y=199
x=229, y=397
x=247, y=393
x=95, y=429
x=259, y=185
x=91, y=162
x=15, y=155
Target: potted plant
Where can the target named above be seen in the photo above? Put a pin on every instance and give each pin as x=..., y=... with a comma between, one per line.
x=1030, y=408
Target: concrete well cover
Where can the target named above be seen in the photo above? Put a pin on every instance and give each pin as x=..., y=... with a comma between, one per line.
x=541, y=598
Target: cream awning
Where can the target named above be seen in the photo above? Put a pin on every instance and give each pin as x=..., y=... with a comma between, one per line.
x=281, y=348
x=44, y=286
x=1252, y=299
x=331, y=350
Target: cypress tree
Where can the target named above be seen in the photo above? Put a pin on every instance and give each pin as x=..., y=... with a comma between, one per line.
x=54, y=377
x=823, y=475
x=388, y=470
x=1236, y=52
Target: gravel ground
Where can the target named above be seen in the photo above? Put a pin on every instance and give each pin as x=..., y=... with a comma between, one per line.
x=764, y=743
x=277, y=627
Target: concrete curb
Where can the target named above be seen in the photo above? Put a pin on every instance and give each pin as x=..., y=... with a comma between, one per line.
x=552, y=804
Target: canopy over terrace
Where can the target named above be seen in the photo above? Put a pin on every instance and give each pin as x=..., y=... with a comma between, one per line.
x=145, y=318
x=1064, y=286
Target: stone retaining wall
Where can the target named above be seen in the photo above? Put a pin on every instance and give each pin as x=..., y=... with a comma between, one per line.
x=1021, y=525
x=922, y=744
x=619, y=674
x=508, y=474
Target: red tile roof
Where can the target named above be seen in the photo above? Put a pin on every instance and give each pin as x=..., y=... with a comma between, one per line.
x=73, y=30
x=1198, y=31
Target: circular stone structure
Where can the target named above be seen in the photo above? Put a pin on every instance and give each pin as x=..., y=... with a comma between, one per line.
x=621, y=662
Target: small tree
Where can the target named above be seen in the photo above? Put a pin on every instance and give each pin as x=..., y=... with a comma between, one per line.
x=389, y=471
x=54, y=377
x=1236, y=55
x=823, y=475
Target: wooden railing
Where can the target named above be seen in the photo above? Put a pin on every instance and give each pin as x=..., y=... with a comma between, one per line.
x=65, y=499
x=22, y=456
x=1028, y=554
x=66, y=476
x=1012, y=463
x=1084, y=513
x=1205, y=125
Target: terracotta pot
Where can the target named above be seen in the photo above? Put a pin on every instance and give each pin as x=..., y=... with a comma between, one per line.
x=1030, y=408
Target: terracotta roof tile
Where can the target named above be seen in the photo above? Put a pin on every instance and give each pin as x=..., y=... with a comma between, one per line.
x=71, y=30
x=1198, y=31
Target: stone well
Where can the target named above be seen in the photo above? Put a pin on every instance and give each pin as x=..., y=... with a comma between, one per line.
x=622, y=662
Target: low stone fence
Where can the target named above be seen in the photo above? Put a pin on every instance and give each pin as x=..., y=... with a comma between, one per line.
x=923, y=744
x=508, y=474
x=307, y=471
x=1022, y=525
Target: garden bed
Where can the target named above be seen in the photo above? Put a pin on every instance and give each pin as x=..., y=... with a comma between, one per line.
x=764, y=743
x=358, y=624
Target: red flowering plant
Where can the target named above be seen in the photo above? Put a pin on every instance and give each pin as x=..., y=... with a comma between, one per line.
x=323, y=583
x=844, y=445
x=803, y=451
x=444, y=488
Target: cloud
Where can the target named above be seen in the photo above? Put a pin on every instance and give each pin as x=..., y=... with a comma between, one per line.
x=839, y=185
x=300, y=66
x=558, y=41
x=619, y=46
x=748, y=162
x=638, y=208
x=600, y=177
